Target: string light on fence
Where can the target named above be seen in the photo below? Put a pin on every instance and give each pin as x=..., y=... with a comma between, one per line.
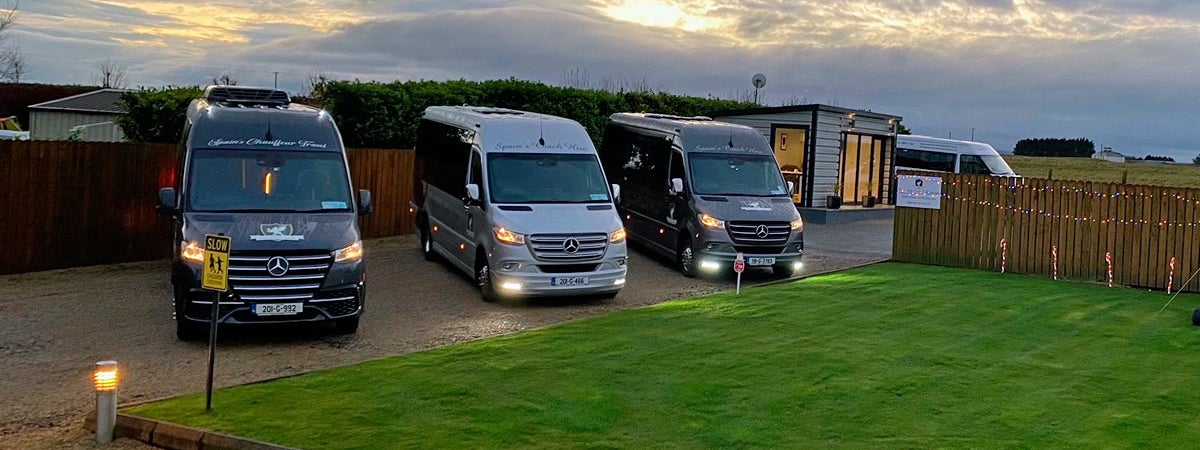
x=1108, y=261
x=1170, y=274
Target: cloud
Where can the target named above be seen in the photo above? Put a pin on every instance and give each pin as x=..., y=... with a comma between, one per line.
x=1009, y=69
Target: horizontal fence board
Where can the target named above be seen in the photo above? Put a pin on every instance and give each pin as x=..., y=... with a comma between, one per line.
x=1142, y=227
x=68, y=204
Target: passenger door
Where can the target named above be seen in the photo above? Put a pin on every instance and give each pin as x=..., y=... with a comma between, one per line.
x=647, y=198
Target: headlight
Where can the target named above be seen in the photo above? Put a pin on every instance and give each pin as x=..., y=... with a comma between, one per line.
x=617, y=236
x=353, y=252
x=798, y=224
x=506, y=236
x=712, y=222
x=191, y=251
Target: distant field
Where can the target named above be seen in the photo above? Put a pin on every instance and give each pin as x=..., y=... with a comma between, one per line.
x=1088, y=169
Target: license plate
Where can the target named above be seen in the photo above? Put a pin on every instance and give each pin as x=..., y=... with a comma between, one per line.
x=760, y=261
x=569, y=281
x=278, y=309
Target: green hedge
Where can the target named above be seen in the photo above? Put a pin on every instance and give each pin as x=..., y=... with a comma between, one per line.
x=385, y=115
x=156, y=114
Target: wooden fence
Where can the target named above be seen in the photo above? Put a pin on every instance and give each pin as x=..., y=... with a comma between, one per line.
x=68, y=204
x=1141, y=227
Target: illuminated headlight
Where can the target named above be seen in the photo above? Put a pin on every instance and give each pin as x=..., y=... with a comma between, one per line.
x=617, y=236
x=353, y=252
x=191, y=251
x=510, y=286
x=712, y=222
x=797, y=265
x=619, y=282
x=797, y=224
x=506, y=236
x=709, y=265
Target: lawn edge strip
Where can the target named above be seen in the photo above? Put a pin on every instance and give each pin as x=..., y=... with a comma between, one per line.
x=178, y=437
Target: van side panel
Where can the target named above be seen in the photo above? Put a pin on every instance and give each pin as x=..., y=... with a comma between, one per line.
x=638, y=161
x=440, y=173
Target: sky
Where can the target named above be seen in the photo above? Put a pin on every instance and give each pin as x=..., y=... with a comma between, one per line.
x=1124, y=74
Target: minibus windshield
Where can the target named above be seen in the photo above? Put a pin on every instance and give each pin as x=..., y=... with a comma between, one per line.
x=736, y=174
x=997, y=165
x=267, y=181
x=545, y=178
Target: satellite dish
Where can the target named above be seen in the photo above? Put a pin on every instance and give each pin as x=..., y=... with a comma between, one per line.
x=759, y=80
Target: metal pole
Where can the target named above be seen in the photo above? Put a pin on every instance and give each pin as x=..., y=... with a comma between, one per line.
x=106, y=416
x=276, y=79
x=212, y=348
x=739, y=284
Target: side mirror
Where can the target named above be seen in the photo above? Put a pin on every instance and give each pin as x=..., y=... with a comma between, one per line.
x=167, y=205
x=364, y=202
x=616, y=193
x=676, y=186
x=473, y=192
x=791, y=187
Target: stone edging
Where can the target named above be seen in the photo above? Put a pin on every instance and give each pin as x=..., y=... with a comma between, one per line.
x=177, y=437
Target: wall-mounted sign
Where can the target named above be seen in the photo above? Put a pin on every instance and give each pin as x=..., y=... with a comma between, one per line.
x=916, y=191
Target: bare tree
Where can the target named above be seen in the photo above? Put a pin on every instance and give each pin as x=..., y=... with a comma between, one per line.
x=109, y=74
x=12, y=59
x=795, y=99
x=314, y=85
x=225, y=79
x=577, y=78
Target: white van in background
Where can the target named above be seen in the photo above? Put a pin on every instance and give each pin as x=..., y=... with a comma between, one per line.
x=948, y=155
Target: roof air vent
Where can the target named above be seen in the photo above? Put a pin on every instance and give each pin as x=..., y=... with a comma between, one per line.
x=246, y=96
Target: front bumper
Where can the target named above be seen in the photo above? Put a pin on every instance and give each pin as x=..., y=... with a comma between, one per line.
x=718, y=253
x=342, y=295
x=517, y=272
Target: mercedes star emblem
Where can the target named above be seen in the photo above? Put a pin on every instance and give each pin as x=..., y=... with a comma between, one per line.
x=571, y=245
x=761, y=231
x=277, y=266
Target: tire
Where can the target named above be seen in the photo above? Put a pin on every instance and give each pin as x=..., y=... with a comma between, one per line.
x=1196, y=317
x=346, y=326
x=427, y=242
x=189, y=331
x=483, y=277
x=685, y=258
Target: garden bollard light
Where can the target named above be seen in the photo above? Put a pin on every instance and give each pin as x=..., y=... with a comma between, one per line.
x=104, y=379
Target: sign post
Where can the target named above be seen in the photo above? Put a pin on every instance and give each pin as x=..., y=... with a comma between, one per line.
x=739, y=264
x=216, y=278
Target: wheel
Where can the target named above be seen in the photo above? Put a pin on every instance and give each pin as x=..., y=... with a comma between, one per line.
x=1196, y=317
x=685, y=257
x=483, y=275
x=189, y=331
x=427, y=242
x=346, y=326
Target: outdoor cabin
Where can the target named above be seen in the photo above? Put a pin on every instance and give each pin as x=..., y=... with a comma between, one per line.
x=829, y=151
x=89, y=116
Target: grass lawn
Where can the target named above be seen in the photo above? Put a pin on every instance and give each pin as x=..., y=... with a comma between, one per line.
x=1088, y=169
x=890, y=356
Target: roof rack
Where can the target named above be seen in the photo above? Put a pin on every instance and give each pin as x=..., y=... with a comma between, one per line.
x=673, y=117
x=246, y=96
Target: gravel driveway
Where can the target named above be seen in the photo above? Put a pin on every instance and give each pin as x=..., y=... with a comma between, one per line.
x=54, y=325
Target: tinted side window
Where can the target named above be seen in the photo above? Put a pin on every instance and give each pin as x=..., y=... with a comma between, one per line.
x=649, y=159
x=972, y=164
x=442, y=155
x=924, y=160
x=614, y=152
x=477, y=174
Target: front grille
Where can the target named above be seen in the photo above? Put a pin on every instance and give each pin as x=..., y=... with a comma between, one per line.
x=553, y=247
x=567, y=268
x=748, y=233
x=253, y=283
